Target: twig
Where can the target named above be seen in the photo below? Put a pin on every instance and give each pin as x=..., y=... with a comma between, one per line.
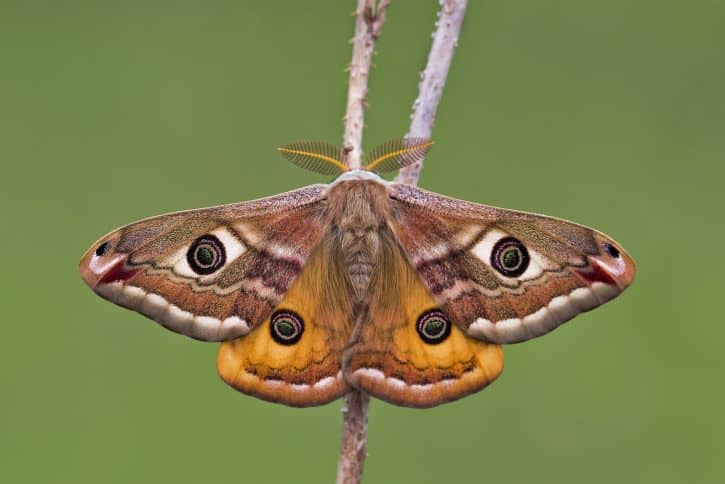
x=368, y=27
x=370, y=17
x=354, y=438
x=445, y=41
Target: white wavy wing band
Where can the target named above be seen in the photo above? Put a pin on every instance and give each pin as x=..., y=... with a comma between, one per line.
x=559, y=310
x=206, y=328
x=380, y=377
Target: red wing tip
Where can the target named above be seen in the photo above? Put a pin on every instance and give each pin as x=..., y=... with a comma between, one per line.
x=95, y=269
x=616, y=270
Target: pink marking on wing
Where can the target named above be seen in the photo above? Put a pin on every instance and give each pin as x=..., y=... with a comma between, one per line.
x=117, y=272
x=597, y=274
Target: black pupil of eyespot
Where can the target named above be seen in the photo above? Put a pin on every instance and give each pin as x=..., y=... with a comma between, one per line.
x=103, y=248
x=611, y=250
x=434, y=327
x=205, y=255
x=285, y=328
x=511, y=258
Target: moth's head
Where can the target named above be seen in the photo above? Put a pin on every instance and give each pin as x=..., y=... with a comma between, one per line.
x=103, y=262
x=327, y=159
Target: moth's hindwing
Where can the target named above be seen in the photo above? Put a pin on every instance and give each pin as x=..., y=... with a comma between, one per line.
x=294, y=356
x=505, y=276
x=212, y=274
x=406, y=349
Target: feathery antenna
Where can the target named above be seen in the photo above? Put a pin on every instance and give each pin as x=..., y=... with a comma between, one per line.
x=397, y=153
x=327, y=159
x=317, y=156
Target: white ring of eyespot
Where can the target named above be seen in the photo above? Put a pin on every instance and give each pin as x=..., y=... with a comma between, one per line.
x=537, y=262
x=179, y=264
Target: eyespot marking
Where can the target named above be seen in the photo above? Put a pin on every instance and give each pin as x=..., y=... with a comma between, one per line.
x=286, y=327
x=433, y=326
x=510, y=257
x=206, y=255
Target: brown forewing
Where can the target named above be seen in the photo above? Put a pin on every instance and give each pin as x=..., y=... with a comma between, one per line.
x=439, y=236
x=277, y=233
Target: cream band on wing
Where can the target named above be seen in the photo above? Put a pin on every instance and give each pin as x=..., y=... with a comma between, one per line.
x=422, y=391
x=326, y=389
x=206, y=328
x=559, y=310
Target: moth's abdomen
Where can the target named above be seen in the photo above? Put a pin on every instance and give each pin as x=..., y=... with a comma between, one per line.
x=360, y=208
x=360, y=249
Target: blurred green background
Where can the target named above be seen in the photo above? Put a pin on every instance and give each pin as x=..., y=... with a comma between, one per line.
x=611, y=114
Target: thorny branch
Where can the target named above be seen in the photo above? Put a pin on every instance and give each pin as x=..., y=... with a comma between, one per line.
x=433, y=79
x=370, y=17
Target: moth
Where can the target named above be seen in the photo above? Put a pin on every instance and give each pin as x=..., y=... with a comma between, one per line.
x=361, y=283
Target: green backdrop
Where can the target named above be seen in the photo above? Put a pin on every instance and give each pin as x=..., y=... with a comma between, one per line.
x=611, y=114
